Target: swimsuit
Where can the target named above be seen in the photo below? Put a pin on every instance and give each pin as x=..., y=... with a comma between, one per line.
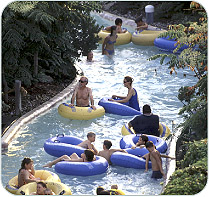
x=111, y=52
x=156, y=174
x=133, y=102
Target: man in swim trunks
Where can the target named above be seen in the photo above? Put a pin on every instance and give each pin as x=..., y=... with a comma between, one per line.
x=156, y=160
x=107, y=152
x=88, y=143
x=83, y=94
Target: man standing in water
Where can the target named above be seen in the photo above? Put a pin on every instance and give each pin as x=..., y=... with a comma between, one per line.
x=83, y=94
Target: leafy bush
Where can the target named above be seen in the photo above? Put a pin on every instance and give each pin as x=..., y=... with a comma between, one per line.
x=193, y=177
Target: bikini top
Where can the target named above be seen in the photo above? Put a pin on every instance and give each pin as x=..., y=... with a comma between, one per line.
x=111, y=42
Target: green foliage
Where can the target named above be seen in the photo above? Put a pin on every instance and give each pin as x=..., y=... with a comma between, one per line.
x=193, y=177
x=194, y=58
x=59, y=32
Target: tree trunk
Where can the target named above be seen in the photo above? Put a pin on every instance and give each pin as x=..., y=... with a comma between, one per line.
x=36, y=64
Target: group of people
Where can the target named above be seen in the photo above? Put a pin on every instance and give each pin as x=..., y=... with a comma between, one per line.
x=110, y=40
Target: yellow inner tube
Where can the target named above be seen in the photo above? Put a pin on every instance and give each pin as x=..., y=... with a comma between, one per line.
x=146, y=37
x=42, y=174
x=56, y=187
x=163, y=128
x=79, y=113
x=123, y=38
x=116, y=192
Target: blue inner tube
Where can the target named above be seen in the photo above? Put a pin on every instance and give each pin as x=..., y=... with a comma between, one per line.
x=63, y=145
x=167, y=45
x=128, y=161
x=83, y=168
x=130, y=140
x=117, y=108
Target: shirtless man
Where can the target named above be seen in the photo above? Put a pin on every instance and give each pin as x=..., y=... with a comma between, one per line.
x=155, y=157
x=88, y=143
x=82, y=94
x=107, y=152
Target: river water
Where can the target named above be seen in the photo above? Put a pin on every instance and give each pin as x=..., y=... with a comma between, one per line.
x=155, y=86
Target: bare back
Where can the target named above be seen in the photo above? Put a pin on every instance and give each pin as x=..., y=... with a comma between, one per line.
x=156, y=160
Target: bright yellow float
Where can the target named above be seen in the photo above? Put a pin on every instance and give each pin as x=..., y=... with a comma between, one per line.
x=116, y=192
x=164, y=130
x=146, y=37
x=79, y=113
x=123, y=38
x=42, y=174
x=56, y=187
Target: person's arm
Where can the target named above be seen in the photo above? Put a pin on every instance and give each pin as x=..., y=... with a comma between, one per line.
x=94, y=149
x=166, y=156
x=117, y=150
x=104, y=44
x=73, y=97
x=91, y=99
x=127, y=98
x=108, y=28
x=147, y=162
x=26, y=176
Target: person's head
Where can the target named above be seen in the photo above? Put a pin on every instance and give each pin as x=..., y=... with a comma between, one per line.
x=27, y=163
x=89, y=155
x=118, y=21
x=150, y=146
x=113, y=30
x=41, y=186
x=146, y=109
x=139, y=20
x=90, y=56
x=143, y=139
x=83, y=81
x=48, y=191
x=127, y=81
x=101, y=191
x=91, y=136
x=107, y=144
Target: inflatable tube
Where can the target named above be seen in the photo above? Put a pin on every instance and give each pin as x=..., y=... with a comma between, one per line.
x=123, y=38
x=83, y=168
x=56, y=187
x=42, y=174
x=79, y=113
x=164, y=44
x=117, y=108
x=63, y=145
x=116, y=192
x=146, y=37
x=128, y=160
x=130, y=140
x=164, y=130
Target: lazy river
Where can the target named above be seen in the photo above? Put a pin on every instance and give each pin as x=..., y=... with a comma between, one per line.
x=155, y=86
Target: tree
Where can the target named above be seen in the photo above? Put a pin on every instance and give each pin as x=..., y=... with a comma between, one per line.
x=194, y=57
x=46, y=38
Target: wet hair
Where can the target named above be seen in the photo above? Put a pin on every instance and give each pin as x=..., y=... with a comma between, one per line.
x=101, y=191
x=48, y=190
x=89, y=155
x=90, y=134
x=118, y=20
x=146, y=109
x=108, y=144
x=144, y=138
x=129, y=79
x=112, y=29
x=42, y=183
x=149, y=144
x=26, y=160
x=138, y=19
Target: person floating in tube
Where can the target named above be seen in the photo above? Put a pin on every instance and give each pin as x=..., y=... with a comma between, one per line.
x=118, y=23
x=82, y=94
x=132, y=96
x=140, y=24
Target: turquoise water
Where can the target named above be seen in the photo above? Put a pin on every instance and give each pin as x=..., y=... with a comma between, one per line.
x=155, y=86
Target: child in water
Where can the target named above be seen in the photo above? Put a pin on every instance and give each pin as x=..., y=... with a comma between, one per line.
x=140, y=24
x=155, y=157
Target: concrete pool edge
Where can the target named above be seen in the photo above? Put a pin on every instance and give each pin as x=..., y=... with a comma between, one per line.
x=14, y=127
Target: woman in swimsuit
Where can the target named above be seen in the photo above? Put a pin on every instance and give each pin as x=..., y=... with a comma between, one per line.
x=108, y=44
x=87, y=156
x=132, y=97
x=26, y=172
